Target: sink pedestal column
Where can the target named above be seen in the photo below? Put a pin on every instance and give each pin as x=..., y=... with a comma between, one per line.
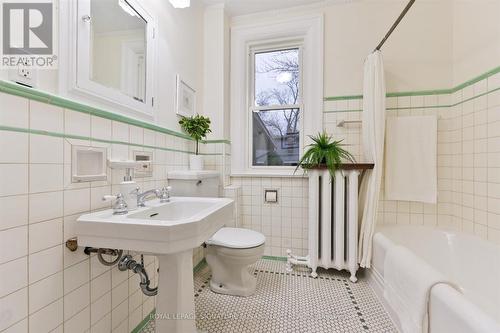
x=175, y=312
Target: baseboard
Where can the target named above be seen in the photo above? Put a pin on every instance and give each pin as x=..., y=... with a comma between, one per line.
x=274, y=258
x=144, y=322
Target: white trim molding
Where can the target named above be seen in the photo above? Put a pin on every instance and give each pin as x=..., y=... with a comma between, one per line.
x=309, y=31
x=74, y=62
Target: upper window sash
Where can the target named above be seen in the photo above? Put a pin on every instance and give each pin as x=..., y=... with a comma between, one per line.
x=272, y=102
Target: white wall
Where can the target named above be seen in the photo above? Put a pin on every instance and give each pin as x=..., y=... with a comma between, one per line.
x=216, y=70
x=476, y=38
x=417, y=55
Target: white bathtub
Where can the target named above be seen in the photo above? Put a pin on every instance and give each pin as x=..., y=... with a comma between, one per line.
x=470, y=262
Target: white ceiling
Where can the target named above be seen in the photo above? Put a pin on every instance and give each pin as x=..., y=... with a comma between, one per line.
x=241, y=7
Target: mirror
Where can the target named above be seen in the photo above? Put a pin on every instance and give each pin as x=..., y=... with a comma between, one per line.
x=118, y=47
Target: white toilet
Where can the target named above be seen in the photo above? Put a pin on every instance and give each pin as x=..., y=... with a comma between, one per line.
x=230, y=250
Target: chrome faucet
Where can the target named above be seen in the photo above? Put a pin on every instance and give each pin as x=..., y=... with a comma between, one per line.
x=119, y=206
x=163, y=195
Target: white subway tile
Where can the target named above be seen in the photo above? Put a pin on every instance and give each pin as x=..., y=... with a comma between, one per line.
x=76, y=123
x=136, y=135
x=103, y=325
x=45, y=291
x=13, y=179
x=13, y=147
x=19, y=327
x=13, y=211
x=76, y=201
x=44, y=235
x=76, y=301
x=13, y=243
x=46, y=177
x=14, y=111
x=45, y=206
x=46, y=117
x=80, y=323
x=48, y=318
x=100, y=308
x=76, y=276
x=119, y=314
x=100, y=128
x=100, y=285
x=46, y=149
x=120, y=131
x=13, y=276
x=13, y=308
x=45, y=263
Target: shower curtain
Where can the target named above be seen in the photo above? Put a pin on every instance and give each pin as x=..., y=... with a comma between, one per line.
x=373, y=147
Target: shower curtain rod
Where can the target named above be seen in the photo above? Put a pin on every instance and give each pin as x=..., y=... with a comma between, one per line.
x=400, y=18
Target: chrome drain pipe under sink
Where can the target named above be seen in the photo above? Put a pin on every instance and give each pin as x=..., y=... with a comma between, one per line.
x=128, y=263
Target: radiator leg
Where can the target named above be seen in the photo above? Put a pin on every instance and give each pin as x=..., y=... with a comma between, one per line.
x=353, y=277
x=292, y=260
x=289, y=257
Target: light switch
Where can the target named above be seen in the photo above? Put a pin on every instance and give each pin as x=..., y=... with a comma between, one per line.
x=271, y=196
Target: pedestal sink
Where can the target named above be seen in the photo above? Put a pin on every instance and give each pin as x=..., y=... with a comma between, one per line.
x=170, y=231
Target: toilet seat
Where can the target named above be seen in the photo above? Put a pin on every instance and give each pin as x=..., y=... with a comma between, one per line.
x=237, y=238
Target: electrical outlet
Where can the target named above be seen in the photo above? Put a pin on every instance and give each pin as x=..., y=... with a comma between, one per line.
x=24, y=74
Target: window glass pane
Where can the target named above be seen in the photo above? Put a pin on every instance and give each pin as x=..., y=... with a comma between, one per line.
x=277, y=78
x=276, y=139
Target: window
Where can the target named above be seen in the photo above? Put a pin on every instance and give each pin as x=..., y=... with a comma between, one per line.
x=267, y=132
x=276, y=106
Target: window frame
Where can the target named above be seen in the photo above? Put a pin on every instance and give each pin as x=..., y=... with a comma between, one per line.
x=308, y=28
x=265, y=47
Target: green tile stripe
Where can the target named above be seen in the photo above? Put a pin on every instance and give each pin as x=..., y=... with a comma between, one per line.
x=144, y=322
x=274, y=258
x=43, y=97
x=86, y=138
x=424, y=92
x=423, y=107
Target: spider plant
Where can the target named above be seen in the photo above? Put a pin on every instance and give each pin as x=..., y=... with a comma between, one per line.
x=325, y=151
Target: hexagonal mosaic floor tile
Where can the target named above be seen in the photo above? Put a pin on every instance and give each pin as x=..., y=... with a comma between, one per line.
x=290, y=302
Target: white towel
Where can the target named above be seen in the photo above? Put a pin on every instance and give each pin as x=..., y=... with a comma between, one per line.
x=411, y=159
x=408, y=281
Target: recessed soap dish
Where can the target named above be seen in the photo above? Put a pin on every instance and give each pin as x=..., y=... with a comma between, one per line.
x=88, y=164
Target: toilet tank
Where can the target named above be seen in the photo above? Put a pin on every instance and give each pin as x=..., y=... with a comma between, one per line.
x=194, y=183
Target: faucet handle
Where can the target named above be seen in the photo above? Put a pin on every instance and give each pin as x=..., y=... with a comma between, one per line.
x=120, y=206
x=165, y=194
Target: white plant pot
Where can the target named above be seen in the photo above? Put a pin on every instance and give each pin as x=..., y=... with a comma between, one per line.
x=195, y=162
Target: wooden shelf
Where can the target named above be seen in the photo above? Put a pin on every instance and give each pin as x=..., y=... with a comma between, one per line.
x=349, y=166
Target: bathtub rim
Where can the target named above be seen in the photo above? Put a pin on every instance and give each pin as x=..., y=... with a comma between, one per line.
x=376, y=281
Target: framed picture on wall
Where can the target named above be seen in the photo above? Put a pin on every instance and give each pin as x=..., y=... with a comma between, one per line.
x=186, y=98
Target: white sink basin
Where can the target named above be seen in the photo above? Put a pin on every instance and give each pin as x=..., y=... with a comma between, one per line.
x=170, y=230
x=181, y=224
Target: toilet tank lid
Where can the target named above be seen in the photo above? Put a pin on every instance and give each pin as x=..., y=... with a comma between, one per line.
x=192, y=175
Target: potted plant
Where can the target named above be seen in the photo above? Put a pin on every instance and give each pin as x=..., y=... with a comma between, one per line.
x=196, y=127
x=324, y=151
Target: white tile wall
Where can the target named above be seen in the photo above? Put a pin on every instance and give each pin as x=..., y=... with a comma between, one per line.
x=285, y=223
x=468, y=157
x=53, y=289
